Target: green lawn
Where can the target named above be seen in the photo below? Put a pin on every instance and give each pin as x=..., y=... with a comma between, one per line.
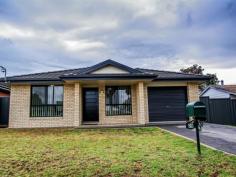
x=106, y=152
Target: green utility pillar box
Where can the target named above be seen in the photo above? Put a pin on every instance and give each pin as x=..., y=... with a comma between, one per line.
x=196, y=110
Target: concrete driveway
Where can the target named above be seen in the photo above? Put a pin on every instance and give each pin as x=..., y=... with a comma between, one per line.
x=222, y=137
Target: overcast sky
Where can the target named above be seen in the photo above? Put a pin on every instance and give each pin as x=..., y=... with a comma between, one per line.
x=44, y=35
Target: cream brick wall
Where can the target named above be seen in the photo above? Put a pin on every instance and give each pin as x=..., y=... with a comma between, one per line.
x=193, y=92
x=141, y=103
x=20, y=109
x=78, y=105
x=146, y=104
x=19, y=106
x=110, y=70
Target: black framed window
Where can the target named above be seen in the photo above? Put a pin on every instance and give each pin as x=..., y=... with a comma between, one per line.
x=46, y=101
x=118, y=100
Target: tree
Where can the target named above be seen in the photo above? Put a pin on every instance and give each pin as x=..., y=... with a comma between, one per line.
x=197, y=69
x=214, y=79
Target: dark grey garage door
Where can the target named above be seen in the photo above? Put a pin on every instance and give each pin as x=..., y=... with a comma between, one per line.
x=167, y=103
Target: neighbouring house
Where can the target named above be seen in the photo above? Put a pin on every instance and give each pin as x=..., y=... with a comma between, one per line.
x=220, y=91
x=108, y=93
x=220, y=101
x=4, y=104
x=4, y=90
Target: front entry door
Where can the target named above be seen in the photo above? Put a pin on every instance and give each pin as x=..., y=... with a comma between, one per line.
x=90, y=104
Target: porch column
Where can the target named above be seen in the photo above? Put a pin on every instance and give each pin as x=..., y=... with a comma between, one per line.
x=193, y=92
x=140, y=103
x=78, y=106
x=101, y=102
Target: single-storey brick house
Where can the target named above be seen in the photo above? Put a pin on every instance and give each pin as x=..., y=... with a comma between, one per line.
x=108, y=93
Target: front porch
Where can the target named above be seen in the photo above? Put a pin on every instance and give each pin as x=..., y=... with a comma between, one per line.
x=92, y=108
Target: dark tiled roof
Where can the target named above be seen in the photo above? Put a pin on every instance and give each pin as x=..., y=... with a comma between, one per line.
x=170, y=75
x=225, y=88
x=85, y=73
x=230, y=88
x=52, y=76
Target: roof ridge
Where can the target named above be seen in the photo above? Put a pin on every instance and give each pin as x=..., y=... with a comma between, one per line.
x=172, y=72
x=47, y=72
x=58, y=75
x=109, y=62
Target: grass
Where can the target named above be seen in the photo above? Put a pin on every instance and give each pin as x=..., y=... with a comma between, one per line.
x=107, y=152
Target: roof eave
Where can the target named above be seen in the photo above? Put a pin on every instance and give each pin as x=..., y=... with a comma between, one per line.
x=108, y=77
x=181, y=79
x=204, y=91
x=35, y=81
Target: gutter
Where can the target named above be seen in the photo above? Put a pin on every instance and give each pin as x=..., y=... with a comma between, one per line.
x=111, y=77
x=181, y=79
x=35, y=81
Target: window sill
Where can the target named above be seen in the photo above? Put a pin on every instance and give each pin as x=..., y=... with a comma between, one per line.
x=119, y=116
x=125, y=115
x=47, y=118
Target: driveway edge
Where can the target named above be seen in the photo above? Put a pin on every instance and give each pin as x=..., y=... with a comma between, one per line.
x=176, y=134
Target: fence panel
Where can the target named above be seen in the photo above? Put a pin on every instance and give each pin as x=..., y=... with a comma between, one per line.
x=205, y=100
x=4, y=110
x=233, y=111
x=220, y=111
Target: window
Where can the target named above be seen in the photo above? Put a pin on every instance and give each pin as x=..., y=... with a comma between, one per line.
x=118, y=100
x=46, y=101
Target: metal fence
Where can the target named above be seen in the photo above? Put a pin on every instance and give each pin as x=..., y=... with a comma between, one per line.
x=4, y=111
x=220, y=111
x=118, y=109
x=46, y=110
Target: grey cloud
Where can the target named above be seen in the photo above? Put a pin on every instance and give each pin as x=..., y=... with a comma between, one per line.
x=161, y=34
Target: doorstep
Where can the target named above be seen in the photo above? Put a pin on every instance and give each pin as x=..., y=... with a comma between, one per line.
x=3, y=126
x=167, y=123
x=90, y=123
x=83, y=126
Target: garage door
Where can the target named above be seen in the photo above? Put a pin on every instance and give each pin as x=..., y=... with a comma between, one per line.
x=167, y=103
